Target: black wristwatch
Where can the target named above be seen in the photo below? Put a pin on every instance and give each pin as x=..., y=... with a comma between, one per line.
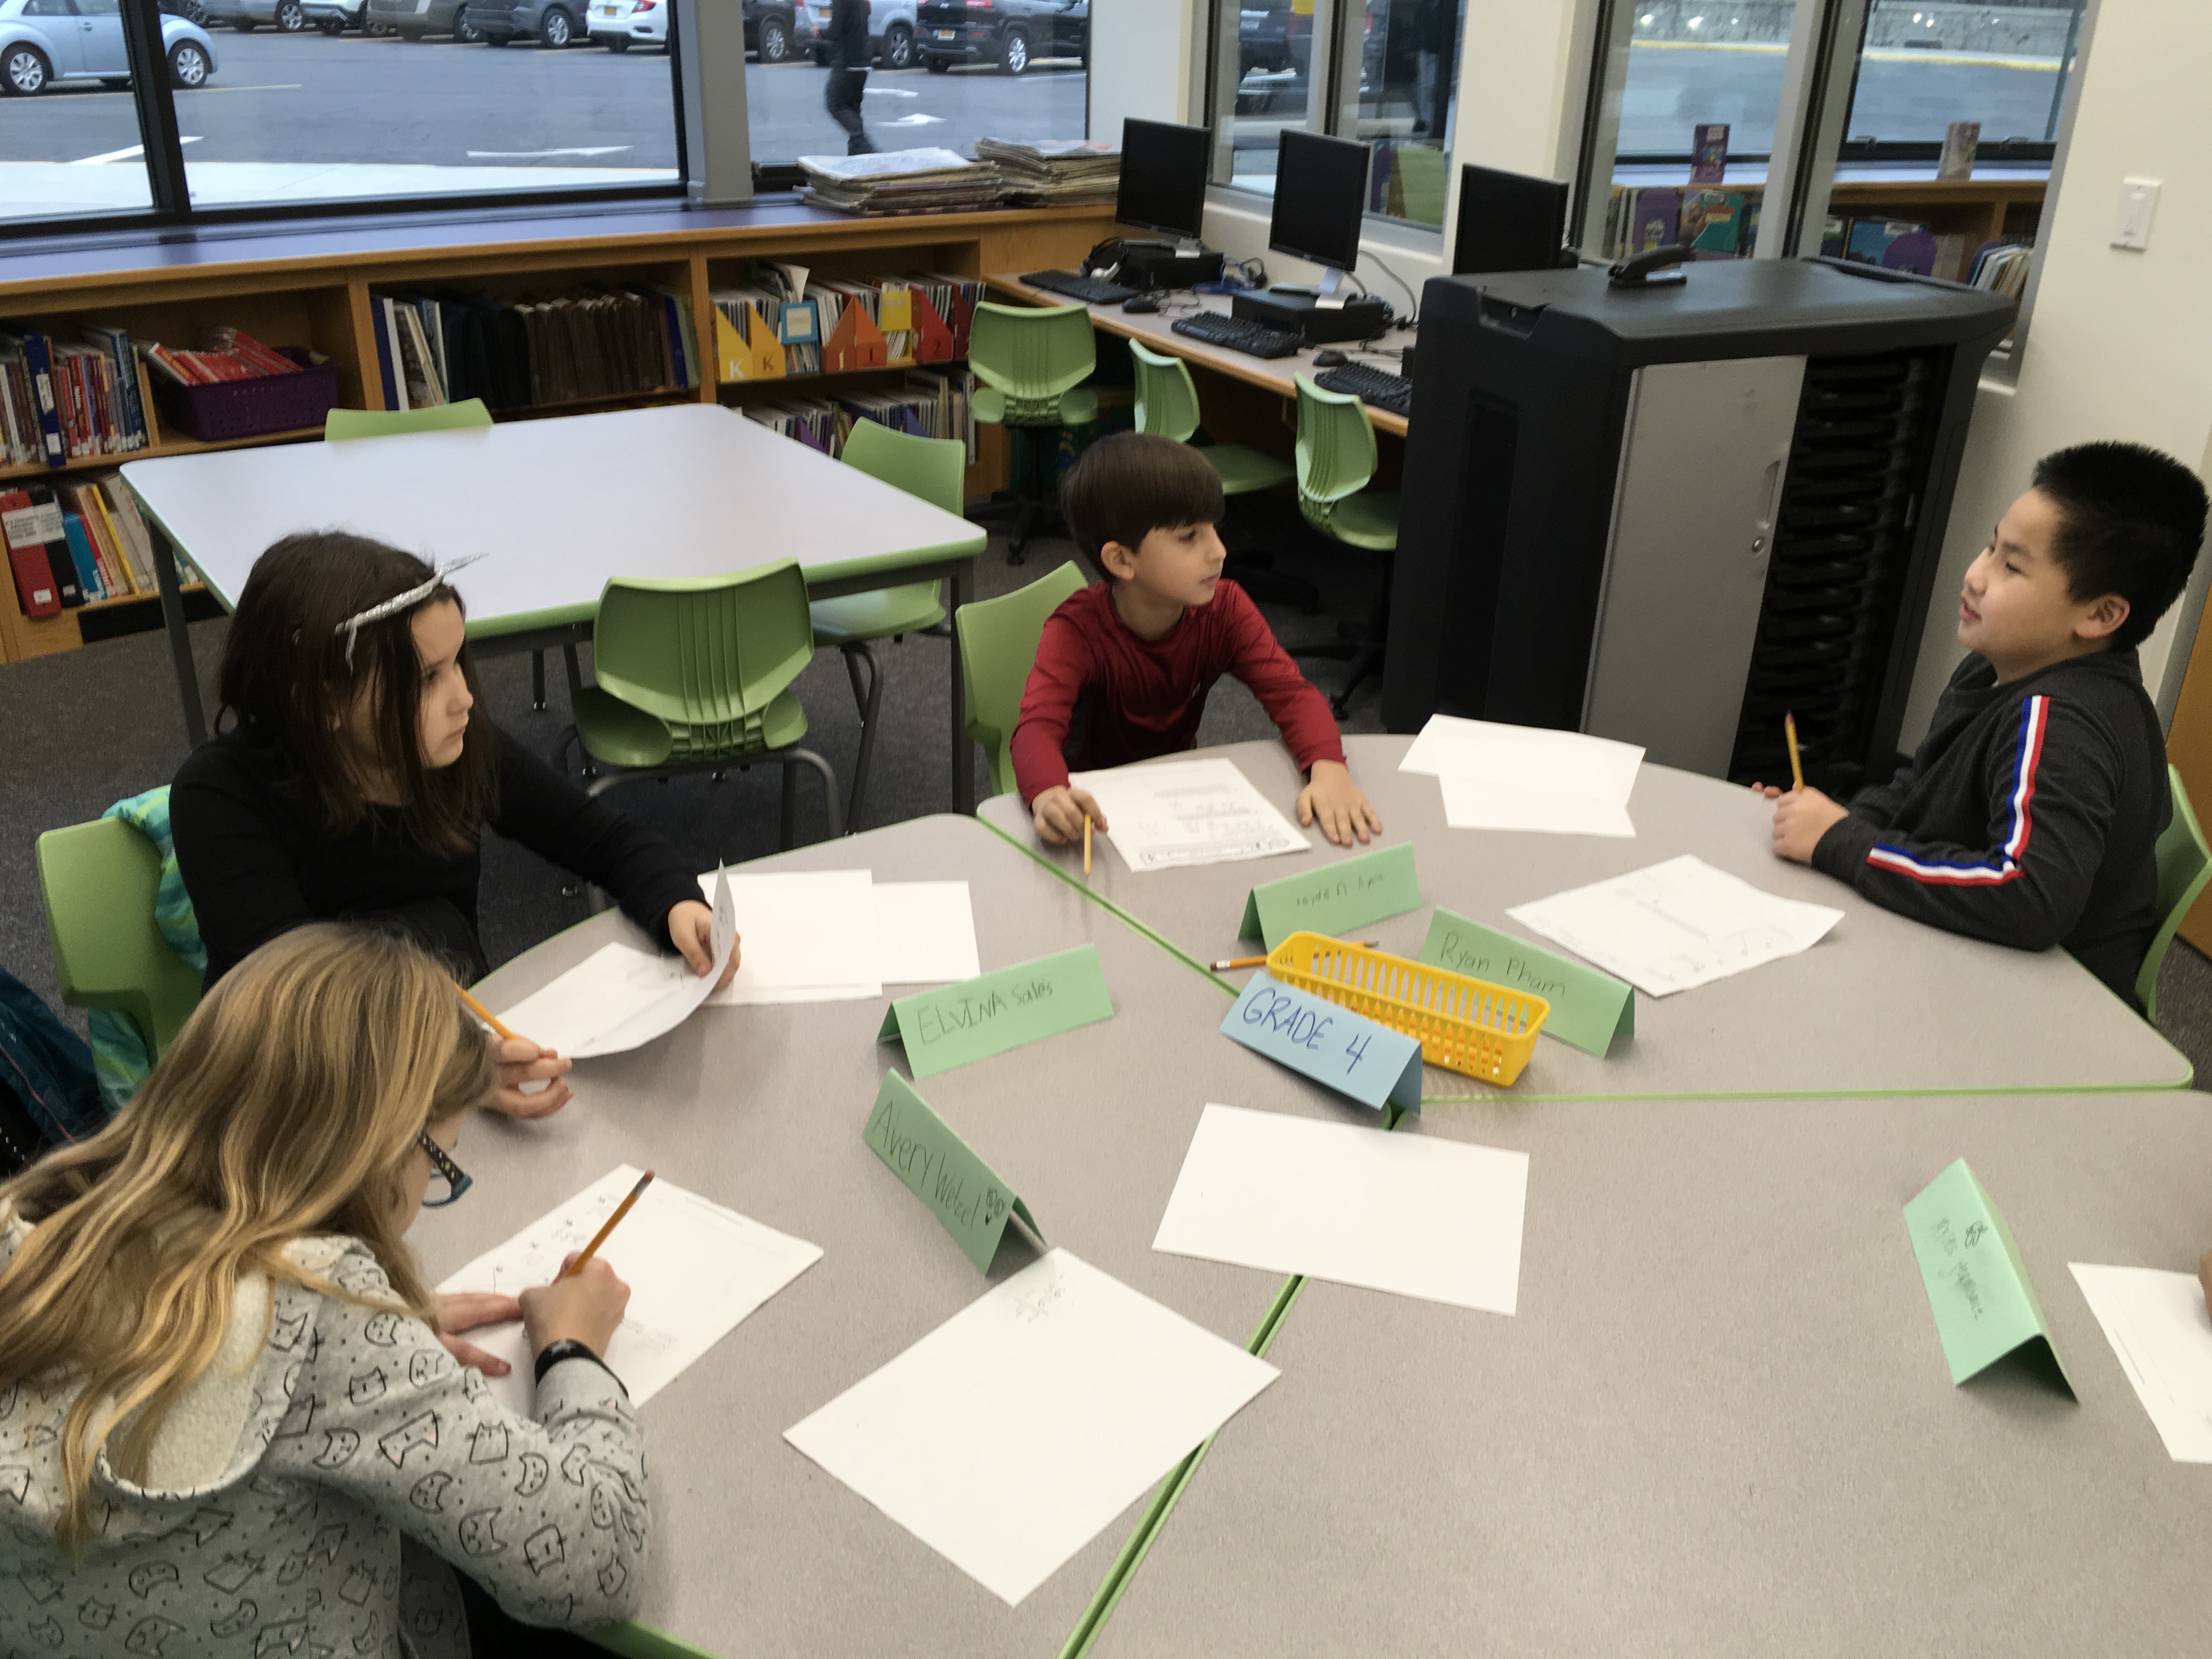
x=568, y=1348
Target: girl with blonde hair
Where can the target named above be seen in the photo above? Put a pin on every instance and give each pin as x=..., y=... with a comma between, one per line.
x=228, y=1424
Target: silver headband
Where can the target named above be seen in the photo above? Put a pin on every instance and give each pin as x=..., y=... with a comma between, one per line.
x=391, y=607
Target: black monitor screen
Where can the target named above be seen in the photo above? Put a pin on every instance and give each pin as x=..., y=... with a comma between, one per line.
x=1164, y=177
x=1321, y=192
x=1508, y=222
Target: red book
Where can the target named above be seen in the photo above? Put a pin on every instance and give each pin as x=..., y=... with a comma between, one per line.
x=34, y=578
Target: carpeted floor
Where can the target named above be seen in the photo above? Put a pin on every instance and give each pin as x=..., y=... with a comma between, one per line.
x=84, y=729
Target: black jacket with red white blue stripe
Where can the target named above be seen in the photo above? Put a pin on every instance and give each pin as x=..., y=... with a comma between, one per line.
x=2030, y=816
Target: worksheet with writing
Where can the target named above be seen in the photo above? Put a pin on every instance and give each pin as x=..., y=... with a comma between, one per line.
x=695, y=1271
x=1183, y=812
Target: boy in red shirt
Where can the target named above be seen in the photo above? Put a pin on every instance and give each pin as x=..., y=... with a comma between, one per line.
x=1123, y=670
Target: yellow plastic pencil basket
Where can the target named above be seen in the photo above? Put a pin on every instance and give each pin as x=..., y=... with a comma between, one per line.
x=1463, y=1024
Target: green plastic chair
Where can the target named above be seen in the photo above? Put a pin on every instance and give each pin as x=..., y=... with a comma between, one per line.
x=693, y=674
x=1335, y=460
x=998, y=646
x=936, y=470
x=2184, y=868
x=1032, y=360
x=1167, y=402
x=99, y=880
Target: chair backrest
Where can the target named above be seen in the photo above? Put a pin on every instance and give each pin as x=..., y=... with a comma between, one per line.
x=705, y=654
x=1031, y=353
x=342, y=423
x=98, y=881
x=1167, y=402
x=2185, y=867
x=935, y=469
x=998, y=645
x=1335, y=450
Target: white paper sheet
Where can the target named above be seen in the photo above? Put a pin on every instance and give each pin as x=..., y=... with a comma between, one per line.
x=1184, y=813
x=1008, y=1437
x=805, y=936
x=2156, y=1323
x=1676, y=925
x=1406, y=1213
x=1496, y=776
x=620, y=997
x=695, y=1270
x=927, y=931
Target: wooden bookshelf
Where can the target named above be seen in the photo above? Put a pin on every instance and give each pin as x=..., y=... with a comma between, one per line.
x=311, y=288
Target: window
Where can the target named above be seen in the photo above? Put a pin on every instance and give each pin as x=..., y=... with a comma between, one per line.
x=67, y=125
x=943, y=73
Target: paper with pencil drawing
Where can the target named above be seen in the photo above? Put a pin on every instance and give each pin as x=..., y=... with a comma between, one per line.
x=1676, y=925
x=695, y=1270
x=2156, y=1323
x=621, y=997
x=1184, y=813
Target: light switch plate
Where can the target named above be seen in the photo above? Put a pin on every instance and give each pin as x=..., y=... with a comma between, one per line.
x=2131, y=223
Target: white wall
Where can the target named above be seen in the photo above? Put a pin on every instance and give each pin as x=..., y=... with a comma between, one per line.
x=2120, y=343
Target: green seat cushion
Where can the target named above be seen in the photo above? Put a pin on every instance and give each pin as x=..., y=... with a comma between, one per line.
x=878, y=615
x=1369, y=520
x=1243, y=471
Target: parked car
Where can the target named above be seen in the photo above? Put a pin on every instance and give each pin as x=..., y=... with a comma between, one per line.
x=1273, y=38
x=247, y=15
x=43, y=41
x=607, y=24
x=1011, y=33
x=337, y=16
x=892, y=29
x=411, y=20
x=773, y=29
x=556, y=23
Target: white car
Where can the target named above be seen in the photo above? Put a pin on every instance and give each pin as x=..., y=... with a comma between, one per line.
x=607, y=23
x=43, y=41
x=337, y=16
x=890, y=31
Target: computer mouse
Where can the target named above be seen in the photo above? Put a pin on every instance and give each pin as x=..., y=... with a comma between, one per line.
x=1141, y=302
x=1330, y=359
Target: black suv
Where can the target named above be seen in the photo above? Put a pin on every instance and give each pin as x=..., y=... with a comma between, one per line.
x=1011, y=33
x=555, y=22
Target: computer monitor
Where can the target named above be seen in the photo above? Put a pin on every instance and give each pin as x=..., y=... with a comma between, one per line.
x=1164, y=178
x=1508, y=222
x=1321, y=194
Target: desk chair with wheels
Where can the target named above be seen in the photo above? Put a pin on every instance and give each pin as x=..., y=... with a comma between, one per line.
x=693, y=675
x=1167, y=404
x=935, y=470
x=2184, y=868
x=344, y=425
x=98, y=881
x=998, y=646
x=1335, y=460
x=1032, y=360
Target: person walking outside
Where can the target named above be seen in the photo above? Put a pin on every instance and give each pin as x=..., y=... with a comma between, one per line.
x=848, y=72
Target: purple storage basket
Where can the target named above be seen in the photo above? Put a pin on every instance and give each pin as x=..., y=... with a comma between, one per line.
x=246, y=408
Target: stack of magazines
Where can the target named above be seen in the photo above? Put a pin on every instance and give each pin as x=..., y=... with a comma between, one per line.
x=901, y=181
x=1055, y=171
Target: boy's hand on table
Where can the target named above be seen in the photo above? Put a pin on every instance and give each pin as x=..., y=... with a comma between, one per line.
x=523, y=1062
x=1059, y=813
x=1800, y=817
x=1334, y=800
x=691, y=931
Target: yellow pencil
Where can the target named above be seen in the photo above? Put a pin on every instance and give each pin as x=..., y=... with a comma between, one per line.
x=1086, y=844
x=1227, y=964
x=1797, y=769
x=485, y=1014
x=600, y=1237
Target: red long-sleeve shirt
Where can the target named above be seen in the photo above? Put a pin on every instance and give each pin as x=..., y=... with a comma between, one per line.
x=1128, y=699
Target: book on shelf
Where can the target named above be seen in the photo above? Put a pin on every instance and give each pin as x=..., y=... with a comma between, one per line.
x=596, y=341
x=927, y=403
x=32, y=522
x=783, y=319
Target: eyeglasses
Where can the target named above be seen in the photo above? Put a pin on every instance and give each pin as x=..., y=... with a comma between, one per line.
x=457, y=1179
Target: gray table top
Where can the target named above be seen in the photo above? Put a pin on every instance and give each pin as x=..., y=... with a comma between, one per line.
x=1721, y=1423
x=716, y=493
x=1881, y=1006
x=757, y=1550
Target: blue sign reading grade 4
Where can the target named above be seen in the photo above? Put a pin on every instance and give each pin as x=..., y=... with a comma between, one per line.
x=1347, y=1052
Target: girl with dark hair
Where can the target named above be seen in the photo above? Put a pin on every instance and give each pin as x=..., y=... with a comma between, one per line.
x=352, y=776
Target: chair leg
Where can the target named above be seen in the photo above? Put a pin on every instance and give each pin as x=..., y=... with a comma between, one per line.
x=575, y=670
x=559, y=757
x=871, y=706
x=538, y=681
x=790, y=757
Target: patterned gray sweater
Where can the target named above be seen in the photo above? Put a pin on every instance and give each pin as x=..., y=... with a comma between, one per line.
x=310, y=1489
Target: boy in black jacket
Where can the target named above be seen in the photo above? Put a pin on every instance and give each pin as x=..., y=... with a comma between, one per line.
x=2031, y=814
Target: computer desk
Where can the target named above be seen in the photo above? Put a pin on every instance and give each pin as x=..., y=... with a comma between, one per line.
x=1881, y=1006
x=1156, y=330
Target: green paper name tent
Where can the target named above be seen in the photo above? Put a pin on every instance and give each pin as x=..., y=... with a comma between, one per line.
x=1333, y=899
x=995, y=1012
x=1589, y=1008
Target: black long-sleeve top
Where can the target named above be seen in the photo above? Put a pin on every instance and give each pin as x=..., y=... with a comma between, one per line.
x=257, y=867
x=848, y=34
x=2030, y=816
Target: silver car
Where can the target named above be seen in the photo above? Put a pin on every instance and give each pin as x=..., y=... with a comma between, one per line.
x=43, y=41
x=247, y=15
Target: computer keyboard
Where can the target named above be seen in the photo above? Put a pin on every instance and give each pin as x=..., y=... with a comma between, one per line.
x=1254, y=339
x=1076, y=286
x=1377, y=388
